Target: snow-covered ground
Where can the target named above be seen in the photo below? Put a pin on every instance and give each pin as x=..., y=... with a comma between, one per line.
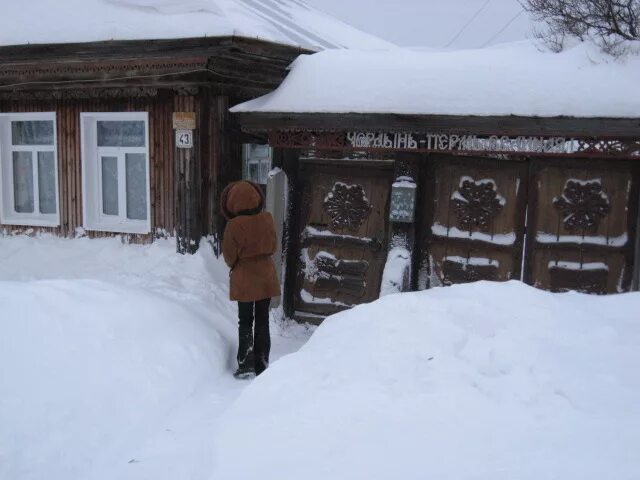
x=115, y=360
x=480, y=381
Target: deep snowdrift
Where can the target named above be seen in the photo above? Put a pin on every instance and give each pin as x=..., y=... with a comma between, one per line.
x=88, y=368
x=479, y=381
x=115, y=360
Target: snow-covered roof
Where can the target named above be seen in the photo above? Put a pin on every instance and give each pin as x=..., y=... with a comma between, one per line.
x=290, y=22
x=510, y=79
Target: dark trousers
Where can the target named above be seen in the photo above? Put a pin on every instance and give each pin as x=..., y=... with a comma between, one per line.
x=254, y=341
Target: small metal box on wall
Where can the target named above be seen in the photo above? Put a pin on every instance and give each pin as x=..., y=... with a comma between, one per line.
x=403, y=200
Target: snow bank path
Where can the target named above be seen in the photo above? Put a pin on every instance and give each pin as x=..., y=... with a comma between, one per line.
x=478, y=381
x=153, y=417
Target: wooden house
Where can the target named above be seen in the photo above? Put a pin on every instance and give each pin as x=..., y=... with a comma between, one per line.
x=410, y=170
x=114, y=114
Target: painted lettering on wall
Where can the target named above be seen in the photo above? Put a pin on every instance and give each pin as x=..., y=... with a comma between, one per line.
x=451, y=142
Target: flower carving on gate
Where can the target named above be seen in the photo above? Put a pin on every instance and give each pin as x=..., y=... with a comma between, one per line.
x=476, y=202
x=583, y=204
x=347, y=205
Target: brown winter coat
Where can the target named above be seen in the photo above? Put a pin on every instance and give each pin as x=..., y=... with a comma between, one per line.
x=249, y=242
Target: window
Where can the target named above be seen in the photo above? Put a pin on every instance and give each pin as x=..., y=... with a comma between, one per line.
x=28, y=169
x=256, y=162
x=115, y=166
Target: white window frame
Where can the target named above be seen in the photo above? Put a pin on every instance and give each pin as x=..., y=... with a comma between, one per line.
x=92, y=213
x=247, y=160
x=8, y=214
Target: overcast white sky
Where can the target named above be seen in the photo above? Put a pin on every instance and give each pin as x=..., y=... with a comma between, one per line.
x=434, y=23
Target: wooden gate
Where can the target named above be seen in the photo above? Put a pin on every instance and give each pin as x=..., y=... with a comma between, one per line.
x=473, y=224
x=580, y=218
x=342, y=233
x=582, y=225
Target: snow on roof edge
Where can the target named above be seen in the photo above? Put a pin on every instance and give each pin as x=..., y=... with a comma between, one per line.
x=286, y=22
x=303, y=50
x=514, y=79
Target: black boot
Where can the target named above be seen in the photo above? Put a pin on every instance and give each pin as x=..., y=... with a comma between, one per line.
x=245, y=341
x=245, y=365
x=244, y=372
x=262, y=339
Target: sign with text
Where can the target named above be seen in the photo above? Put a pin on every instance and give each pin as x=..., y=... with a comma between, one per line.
x=447, y=142
x=184, y=120
x=184, y=138
x=455, y=143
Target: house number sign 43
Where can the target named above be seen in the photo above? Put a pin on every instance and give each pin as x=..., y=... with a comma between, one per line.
x=184, y=138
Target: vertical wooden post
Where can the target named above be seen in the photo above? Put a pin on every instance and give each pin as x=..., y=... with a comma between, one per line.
x=188, y=236
x=288, y=160
x=635, y=284
x=277, y=204
x=227, y=158
x=188, y=186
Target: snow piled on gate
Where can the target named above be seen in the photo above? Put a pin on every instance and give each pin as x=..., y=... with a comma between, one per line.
x=476, y=381
x=509, y=79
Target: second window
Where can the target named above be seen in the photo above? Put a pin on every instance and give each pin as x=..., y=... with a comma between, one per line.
x=116, y=172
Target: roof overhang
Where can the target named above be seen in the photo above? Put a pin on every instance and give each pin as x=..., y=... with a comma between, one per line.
x=552, y=136
x=148, y=48
x=479, y=125
x=239, y=66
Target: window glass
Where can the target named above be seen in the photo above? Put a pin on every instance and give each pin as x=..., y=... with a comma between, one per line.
x=28, y=169
x=136, y=178
x=23, y=182
x=253, y=172
x=47, y=182
x=32, y=132
x=265, y=167
x=116, y=173
x=257, y=162
x=110, y=185
x=259, y=151
x=121, y=133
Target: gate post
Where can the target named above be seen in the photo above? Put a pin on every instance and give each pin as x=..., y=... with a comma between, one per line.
x=277, y=206
x=635, y=283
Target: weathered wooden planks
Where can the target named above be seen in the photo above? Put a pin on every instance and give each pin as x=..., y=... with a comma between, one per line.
x=473, y=220
x=341, y=238
x=69, y=158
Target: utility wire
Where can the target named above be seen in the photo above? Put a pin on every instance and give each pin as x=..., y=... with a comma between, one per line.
x=506, y=25
x=464, y=27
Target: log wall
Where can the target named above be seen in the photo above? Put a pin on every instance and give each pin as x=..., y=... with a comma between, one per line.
x=212, y=144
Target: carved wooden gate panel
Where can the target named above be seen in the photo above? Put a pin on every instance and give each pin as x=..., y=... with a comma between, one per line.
x=342, y=227
x=473, y=223
x=582, y=225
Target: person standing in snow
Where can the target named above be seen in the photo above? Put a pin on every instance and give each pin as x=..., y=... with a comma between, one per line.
x=247, y=247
